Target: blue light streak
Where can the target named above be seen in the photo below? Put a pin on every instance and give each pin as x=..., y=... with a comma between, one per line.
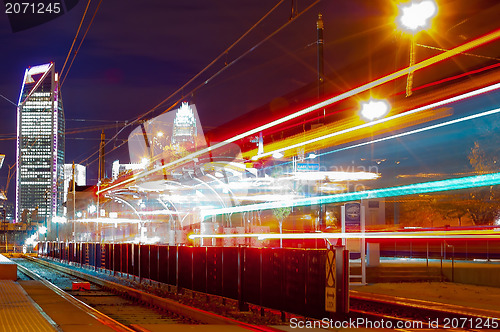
x=412, y=189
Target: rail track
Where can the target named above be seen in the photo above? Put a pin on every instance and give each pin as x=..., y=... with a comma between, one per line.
x=376, y=311
x=121, y=307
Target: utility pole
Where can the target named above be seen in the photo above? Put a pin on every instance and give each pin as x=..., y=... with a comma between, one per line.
x=100, y=171
x=73, y=185
x=319, y=222
x=321, y=77
x=101, y=174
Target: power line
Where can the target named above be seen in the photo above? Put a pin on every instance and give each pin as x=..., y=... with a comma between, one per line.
x=10, y=101
x=81, y=42
x=133, y=121
x=464, y=53
x=76, y=36
x=224, y=53
x=88, y=129
x=92, y=120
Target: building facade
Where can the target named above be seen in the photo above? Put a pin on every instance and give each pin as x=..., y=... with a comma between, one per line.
x=40, y=145
x=80, y=179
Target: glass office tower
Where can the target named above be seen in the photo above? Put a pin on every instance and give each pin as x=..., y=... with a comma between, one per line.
x=40, y=146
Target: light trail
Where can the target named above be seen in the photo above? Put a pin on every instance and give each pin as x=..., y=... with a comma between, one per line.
x=376, y=122
x=108, y=220
x=412, y=189
x=416, y=131
x=223, y=236
x=358, y=235
x=423, y=64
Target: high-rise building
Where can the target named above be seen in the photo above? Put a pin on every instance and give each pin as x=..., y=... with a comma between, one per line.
x=80, y=177
x=40, y=144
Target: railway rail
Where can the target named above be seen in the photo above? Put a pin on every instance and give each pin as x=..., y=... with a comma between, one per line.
x=366, y=309
x=120, y=307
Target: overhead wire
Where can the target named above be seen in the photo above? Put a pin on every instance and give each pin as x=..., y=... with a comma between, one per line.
x=94, y=120
x=253, y=48
x=226, y=66
x=10, y=101
x=88, y=129
x=76, y=36
x=222, y=54
x=81, y=42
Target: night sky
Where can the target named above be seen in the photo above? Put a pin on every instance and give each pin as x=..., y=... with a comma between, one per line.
x=137, y=53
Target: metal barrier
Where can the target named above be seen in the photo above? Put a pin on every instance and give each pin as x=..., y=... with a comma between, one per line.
x=291, y=280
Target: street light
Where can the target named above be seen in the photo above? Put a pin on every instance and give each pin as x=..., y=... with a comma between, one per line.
x=374, y=109
x=413, y=17
x=416, y=16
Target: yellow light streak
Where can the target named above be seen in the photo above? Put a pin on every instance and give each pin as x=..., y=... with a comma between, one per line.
x=400, y=73
x=350, y=130
x=222, y=236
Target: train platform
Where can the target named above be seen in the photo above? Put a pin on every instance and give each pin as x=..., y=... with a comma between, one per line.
x=422, y=283
x=28, y=305
x=18, y=312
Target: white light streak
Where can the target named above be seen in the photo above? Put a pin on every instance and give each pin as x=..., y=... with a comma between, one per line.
x=335, y=176
x=420, y=130
x=423, y=64
x=109, y=220
x=400, y=115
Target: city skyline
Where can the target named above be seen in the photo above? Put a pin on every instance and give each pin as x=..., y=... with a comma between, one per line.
x=124, y=78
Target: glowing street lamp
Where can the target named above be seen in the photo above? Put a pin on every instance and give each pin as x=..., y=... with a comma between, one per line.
x=416, y=16
x=144, y=162
x=374, y=109
x=413, y=17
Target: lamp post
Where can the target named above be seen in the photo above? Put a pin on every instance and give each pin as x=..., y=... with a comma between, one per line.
x=414, y=17
x=374, y=109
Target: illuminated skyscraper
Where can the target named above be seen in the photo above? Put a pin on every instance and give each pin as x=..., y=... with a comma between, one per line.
x=40, y=144
x=80, y=177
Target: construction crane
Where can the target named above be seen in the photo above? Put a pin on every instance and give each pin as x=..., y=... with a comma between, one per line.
x=3, y=194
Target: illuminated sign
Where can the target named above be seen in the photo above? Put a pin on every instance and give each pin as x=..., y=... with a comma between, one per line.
x=352, y=214
x=303, y=167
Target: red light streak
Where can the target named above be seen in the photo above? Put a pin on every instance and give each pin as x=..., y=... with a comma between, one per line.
x=477, y=234
x=423, y=64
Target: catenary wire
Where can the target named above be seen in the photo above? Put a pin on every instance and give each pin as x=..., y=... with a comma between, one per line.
x=76, y=36
x=250, y=50
x=137, y=119
x=81, y=42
